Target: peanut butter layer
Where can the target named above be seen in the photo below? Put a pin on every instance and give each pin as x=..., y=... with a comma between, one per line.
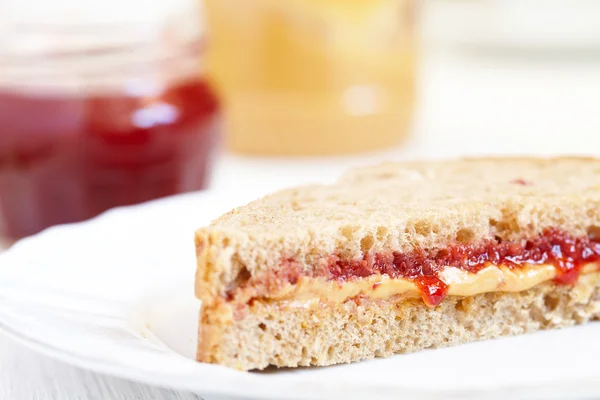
x=458, y=282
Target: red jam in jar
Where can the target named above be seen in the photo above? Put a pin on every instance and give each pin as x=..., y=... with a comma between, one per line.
x=68, y=159
x=83, y=131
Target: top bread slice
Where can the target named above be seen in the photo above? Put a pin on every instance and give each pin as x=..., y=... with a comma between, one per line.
x=399, y=207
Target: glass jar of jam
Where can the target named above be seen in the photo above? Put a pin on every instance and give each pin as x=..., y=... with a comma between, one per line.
x=100, y=108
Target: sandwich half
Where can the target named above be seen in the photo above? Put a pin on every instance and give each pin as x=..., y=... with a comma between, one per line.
x=401, y=257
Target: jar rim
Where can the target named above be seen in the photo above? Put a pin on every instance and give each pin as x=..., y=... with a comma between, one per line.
x=196, y=46
x=91, y=13
x=22, y=36
x=102, y=71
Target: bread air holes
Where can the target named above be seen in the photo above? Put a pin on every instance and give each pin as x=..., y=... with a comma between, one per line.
x=331, y=351
x=594, y=232
x=551, y=302
x=242, y=276
x=389, y=346
x=422, y=228
x=348, y=231
x=366, y=243
x=382, y=233
x=304, y=353
x=500, y=227
x=465, y=235
x=462, y=305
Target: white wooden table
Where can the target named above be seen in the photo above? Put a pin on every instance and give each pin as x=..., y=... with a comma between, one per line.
x=26, y=375
x=469, y=105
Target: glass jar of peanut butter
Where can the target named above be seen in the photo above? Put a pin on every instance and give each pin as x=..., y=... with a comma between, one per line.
x=307, y=77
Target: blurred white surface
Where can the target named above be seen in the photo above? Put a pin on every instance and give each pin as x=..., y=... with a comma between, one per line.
x=470, y=104
x=524, y=24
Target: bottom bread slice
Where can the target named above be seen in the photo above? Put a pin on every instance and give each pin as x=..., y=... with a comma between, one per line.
x=286, y=334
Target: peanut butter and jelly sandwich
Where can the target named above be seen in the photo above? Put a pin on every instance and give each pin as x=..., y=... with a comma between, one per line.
x=401, y=257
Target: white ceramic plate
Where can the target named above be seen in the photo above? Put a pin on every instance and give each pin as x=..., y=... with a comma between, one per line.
x=115, y=295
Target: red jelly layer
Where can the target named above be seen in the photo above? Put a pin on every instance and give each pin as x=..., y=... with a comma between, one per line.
x=433, y=290
x=567, y=253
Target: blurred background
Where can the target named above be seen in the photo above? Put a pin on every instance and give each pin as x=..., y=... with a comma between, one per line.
x=112, y=103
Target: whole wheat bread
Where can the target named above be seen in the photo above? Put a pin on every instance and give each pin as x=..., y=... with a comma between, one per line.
x=396, y=207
